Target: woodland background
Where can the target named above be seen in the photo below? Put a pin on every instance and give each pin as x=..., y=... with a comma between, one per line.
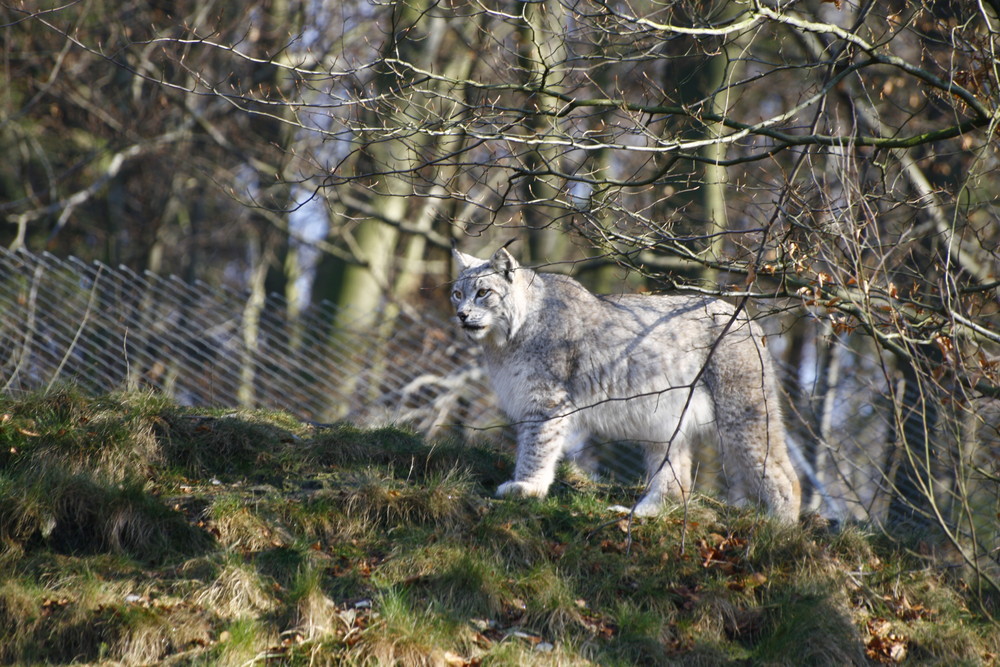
x=831, y=166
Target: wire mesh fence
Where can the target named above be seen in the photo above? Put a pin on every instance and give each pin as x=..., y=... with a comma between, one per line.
x=103, y=329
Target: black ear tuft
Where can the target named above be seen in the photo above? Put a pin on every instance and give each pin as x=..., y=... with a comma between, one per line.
x=503, y=263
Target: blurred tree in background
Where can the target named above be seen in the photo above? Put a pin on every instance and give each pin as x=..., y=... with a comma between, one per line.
x=834, y=160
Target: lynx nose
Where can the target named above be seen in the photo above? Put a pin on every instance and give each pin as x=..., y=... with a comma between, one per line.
x=463, y=316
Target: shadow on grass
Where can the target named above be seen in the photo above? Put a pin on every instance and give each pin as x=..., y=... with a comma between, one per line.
x=133, y=531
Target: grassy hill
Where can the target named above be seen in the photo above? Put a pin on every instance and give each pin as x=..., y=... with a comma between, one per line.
x=135, y=531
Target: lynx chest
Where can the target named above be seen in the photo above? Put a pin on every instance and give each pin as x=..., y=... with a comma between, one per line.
x=516, y=388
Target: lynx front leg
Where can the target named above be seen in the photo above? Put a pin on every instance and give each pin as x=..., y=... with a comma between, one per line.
x=540, y=444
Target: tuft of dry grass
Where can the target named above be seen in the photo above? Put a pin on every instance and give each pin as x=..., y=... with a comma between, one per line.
x=236, y=524
x=243, y=641
x=313, y=615
x=238, y=590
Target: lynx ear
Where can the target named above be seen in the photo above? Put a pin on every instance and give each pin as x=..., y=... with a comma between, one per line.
x=462, y=260
x=503, y=263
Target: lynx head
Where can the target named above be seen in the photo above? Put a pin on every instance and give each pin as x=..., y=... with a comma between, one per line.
x=488, y=296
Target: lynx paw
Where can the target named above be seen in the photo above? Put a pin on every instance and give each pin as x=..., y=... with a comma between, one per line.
x=648, y=507
x=643, y=509
x=518, y=489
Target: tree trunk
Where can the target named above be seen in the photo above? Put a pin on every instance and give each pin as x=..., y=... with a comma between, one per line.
x=913, y=429
x=713, y=189
x=540, y=50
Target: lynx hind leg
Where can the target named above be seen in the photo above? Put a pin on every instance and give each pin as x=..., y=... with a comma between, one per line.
x=669, y=473
x=751, y=430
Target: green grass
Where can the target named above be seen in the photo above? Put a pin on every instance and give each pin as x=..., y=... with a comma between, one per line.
x=133, y=531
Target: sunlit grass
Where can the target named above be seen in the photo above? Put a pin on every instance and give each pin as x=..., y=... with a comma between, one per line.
x=133, y=531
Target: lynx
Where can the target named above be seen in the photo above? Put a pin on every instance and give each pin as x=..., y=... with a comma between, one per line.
x=568, y=365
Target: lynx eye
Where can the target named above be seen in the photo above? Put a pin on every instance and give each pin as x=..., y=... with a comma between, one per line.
x=481, y=293
x=456, y=295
